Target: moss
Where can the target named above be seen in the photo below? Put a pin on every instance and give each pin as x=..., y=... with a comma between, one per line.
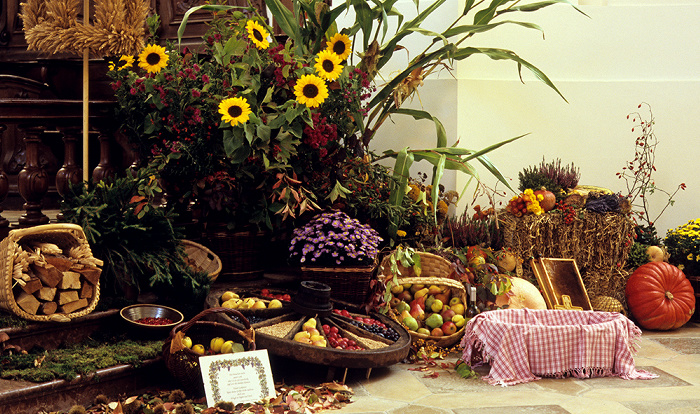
x=8, y=320
x=76, y=360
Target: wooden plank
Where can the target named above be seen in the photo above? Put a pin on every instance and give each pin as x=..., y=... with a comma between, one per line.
x=70, y=280
x=91, y=273
x=28, y=302
x=87, y=291
x=32, y=285
x=46, y=294
x=73, y=306
x=61, y=263
x=48, y=308
x=50, y=276
x=67, y=296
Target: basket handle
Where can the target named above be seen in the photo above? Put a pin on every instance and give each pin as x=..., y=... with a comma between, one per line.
x=186, y=325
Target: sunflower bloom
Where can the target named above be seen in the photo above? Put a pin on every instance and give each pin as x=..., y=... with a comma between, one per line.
x=328, y=65
x=340, y=45
x=311, y=90
x=124, y=62
x=234, y=110
x=153, y=58
x=257, y=34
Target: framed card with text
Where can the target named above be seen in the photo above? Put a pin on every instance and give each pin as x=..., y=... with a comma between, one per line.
x=243, y=377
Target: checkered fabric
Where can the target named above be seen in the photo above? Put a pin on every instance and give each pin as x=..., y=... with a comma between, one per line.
x=523, y=345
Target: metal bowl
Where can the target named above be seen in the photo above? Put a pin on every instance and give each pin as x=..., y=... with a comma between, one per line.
x=131, y=314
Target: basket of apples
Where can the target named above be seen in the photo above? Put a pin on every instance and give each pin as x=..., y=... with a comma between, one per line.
x=188, y=341
x=431, y=308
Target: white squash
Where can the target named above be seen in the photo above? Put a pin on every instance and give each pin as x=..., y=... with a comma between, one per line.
x=522, y=294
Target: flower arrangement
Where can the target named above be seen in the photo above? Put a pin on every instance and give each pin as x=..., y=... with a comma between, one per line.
x=683, y=245
x=270, y=122
x=334, y=239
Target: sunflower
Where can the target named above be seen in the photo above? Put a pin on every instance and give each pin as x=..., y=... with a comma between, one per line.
x=124, y=62
x=257, y=34
x=153, y=58
x=340, y=45
x=234, y=110
x=311, y=90
x=328, y=65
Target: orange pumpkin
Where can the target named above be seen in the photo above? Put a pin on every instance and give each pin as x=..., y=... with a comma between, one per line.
x=659, y=296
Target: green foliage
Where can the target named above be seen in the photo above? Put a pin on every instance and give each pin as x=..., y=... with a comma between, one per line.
x=8, y=320
x=135, y=239
x=637, y=256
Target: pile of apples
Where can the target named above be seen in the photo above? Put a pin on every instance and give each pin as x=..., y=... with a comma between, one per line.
x=217, y=345
x=309, y=334
x=429, y=310
x=233, y=300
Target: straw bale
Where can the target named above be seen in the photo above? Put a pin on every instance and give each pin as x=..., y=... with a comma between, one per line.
x=600, y=244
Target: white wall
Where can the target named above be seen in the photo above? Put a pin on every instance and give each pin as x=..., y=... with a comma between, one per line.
x=626, y=53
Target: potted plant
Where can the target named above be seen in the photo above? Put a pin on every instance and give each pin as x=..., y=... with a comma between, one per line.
x=339, y=251
x=135, y=239
x=683, y=245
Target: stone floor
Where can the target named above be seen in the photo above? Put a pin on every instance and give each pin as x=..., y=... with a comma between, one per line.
x=674, y=356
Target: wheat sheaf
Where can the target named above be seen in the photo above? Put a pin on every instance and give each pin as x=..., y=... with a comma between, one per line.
x=54, y=26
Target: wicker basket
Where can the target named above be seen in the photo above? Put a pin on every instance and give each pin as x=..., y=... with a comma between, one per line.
x=457, y=289
x=183, y=363
x=65, y=236
x=349, y=284
x=243, y=254
x=431, y=265
x=202, y=259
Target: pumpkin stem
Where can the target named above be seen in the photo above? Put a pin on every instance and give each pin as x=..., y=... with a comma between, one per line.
x=669, y=295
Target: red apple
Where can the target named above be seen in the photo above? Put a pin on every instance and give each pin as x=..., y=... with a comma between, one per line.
x=447, y=314
x=437, y=332
x=448, y=328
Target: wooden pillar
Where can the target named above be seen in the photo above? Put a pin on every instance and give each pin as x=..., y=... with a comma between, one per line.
x=70, y=173
x=33, y=181
x=104, y=168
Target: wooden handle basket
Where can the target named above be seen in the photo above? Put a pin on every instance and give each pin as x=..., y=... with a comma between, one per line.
x=431, y=265
x=183, y=363
x=65, y=236
x=457, y=289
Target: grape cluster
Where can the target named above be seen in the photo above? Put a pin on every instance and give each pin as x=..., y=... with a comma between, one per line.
x=378, y=329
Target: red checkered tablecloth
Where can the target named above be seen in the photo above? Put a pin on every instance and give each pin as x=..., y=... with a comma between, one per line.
x=523, y=345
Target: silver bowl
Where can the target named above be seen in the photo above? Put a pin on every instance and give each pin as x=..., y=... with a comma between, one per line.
x=131, y=314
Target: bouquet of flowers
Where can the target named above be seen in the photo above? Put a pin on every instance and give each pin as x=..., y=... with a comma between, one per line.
x=683, y=245
x=334, y=239
x=272, y=123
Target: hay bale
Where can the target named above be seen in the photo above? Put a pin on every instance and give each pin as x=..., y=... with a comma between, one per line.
x=600, y=244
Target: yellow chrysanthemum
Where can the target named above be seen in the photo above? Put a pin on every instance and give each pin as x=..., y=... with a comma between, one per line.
x=311, y=90
x=257, y=34
x=328, y=65
x=340, y=45
x=123, y=63
x=234, y=110
x=153, y=58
